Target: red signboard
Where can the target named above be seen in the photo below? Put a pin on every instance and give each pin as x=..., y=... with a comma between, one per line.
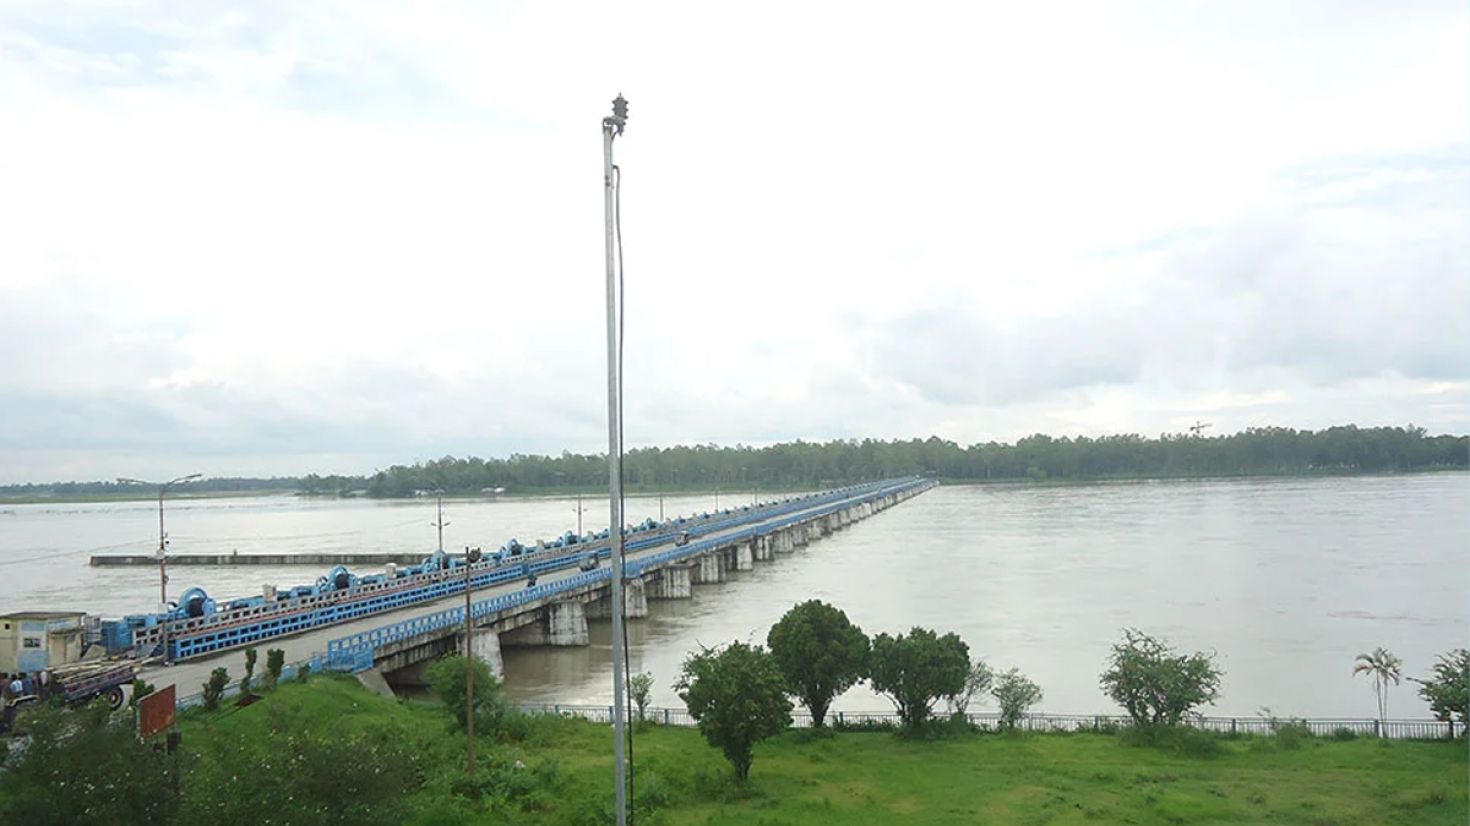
x=156, y=711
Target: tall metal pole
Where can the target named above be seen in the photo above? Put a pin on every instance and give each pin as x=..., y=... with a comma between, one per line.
x=162, y=552
x=611, y=127
x=471, y=556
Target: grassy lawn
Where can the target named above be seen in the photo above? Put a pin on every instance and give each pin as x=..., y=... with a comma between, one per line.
x=559, y=771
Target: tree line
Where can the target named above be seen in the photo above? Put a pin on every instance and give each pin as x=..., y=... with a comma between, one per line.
x=1255, y=451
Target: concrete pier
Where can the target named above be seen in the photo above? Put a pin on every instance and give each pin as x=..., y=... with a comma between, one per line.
x=485, y=646
x=671, y=582
x=559, y=624
x=635, y=602
x=763, y=552
x=709, y=569
x=744, y=557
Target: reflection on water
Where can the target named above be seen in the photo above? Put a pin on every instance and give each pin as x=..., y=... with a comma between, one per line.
x=1287, y=580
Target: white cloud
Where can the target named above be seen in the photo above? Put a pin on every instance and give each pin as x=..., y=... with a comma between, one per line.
x=366, y=232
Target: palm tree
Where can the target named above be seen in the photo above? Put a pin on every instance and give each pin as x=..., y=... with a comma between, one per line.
x=1385, y=667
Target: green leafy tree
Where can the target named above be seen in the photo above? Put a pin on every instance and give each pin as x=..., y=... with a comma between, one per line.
x=1156, y=686
x=1385, y=667
x=1448, y=690
x=820, y=653
x=639, y=687
x=275, y=662
x=447, y=681
x=977, y=683
x=916, y=670
x=250, y=658
x=738, y=696
x=1015, y=694
x=83, y=767
x=215, y=688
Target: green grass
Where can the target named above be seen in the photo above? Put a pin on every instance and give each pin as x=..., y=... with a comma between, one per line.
x=559, y=771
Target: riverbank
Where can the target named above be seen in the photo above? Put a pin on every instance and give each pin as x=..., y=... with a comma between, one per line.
x=559, y=770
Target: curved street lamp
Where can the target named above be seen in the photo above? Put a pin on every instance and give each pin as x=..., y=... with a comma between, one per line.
x=162, y=549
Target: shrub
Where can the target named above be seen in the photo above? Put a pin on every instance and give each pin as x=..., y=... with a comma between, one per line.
x=141, y=688
x=738, y=696
x=1344, y=733
x=275, y=662
x=1015, y=694
x=447, y=681
x=215, y=688
x=110, y=775
x=1156, y=686
x=250, y=658
x=639, y=687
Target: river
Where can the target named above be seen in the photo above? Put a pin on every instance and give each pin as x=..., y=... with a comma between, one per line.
x=1285, y=579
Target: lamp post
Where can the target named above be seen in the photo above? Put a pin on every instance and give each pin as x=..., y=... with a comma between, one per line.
x=439, y=522
x=611, y=128
x=471, y=556
x=162, y=552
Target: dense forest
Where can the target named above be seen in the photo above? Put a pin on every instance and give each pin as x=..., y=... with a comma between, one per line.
x=1256, y=451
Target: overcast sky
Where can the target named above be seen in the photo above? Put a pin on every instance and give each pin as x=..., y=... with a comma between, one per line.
x=333, y=236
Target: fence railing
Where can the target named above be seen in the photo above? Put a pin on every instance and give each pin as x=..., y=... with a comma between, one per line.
x=1321, y=727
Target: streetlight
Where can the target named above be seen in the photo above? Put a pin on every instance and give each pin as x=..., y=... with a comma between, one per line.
x=162, y=551
x=439, y=523
x=471, y=556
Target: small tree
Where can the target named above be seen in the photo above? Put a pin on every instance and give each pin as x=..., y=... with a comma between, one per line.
x=1448, y=690
x=446, y=680
x=1385, y=668
x=639, y=687
x=1156, y=686
x=977, y=683
x=739, y=698
x=820, y=653
x=215, y=688
x=275, y=662
x=1015, y=694
x=250, y=657
x=917, y=670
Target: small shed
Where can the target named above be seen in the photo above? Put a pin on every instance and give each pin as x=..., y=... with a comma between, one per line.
x=34, y=640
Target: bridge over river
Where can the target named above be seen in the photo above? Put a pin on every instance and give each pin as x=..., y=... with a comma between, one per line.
x=391, y=647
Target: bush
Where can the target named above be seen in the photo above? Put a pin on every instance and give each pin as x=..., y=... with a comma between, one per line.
x=215, y=688
x=1342, y=733
x=447, y=681
x=1448, y=691
x=85, y=767
x=639, y=687
x=738, y=696
x=141, y=688
x=250, y=658
x=275, y=663
x=1156, y=686
x=1015, y=694
x=1186, y=741
x=1289, y=732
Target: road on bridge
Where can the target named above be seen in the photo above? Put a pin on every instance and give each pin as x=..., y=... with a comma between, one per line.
x=190, y=675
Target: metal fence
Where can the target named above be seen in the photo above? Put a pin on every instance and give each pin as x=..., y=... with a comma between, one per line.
x=1066, y=723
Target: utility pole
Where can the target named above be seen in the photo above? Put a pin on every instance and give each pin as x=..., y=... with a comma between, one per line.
x=611, y=128
x=439, y=523
x=579, y=516
x=162, y=554
x=471, y=556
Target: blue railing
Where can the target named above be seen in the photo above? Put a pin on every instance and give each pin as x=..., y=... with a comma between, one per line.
x=193, y=643
x=355, y=652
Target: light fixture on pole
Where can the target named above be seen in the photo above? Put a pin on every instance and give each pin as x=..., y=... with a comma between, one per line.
x=439, y=522
x=611, y=128
x=162, y=554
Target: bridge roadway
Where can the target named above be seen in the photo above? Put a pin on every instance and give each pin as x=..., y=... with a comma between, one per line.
x=189, y=676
